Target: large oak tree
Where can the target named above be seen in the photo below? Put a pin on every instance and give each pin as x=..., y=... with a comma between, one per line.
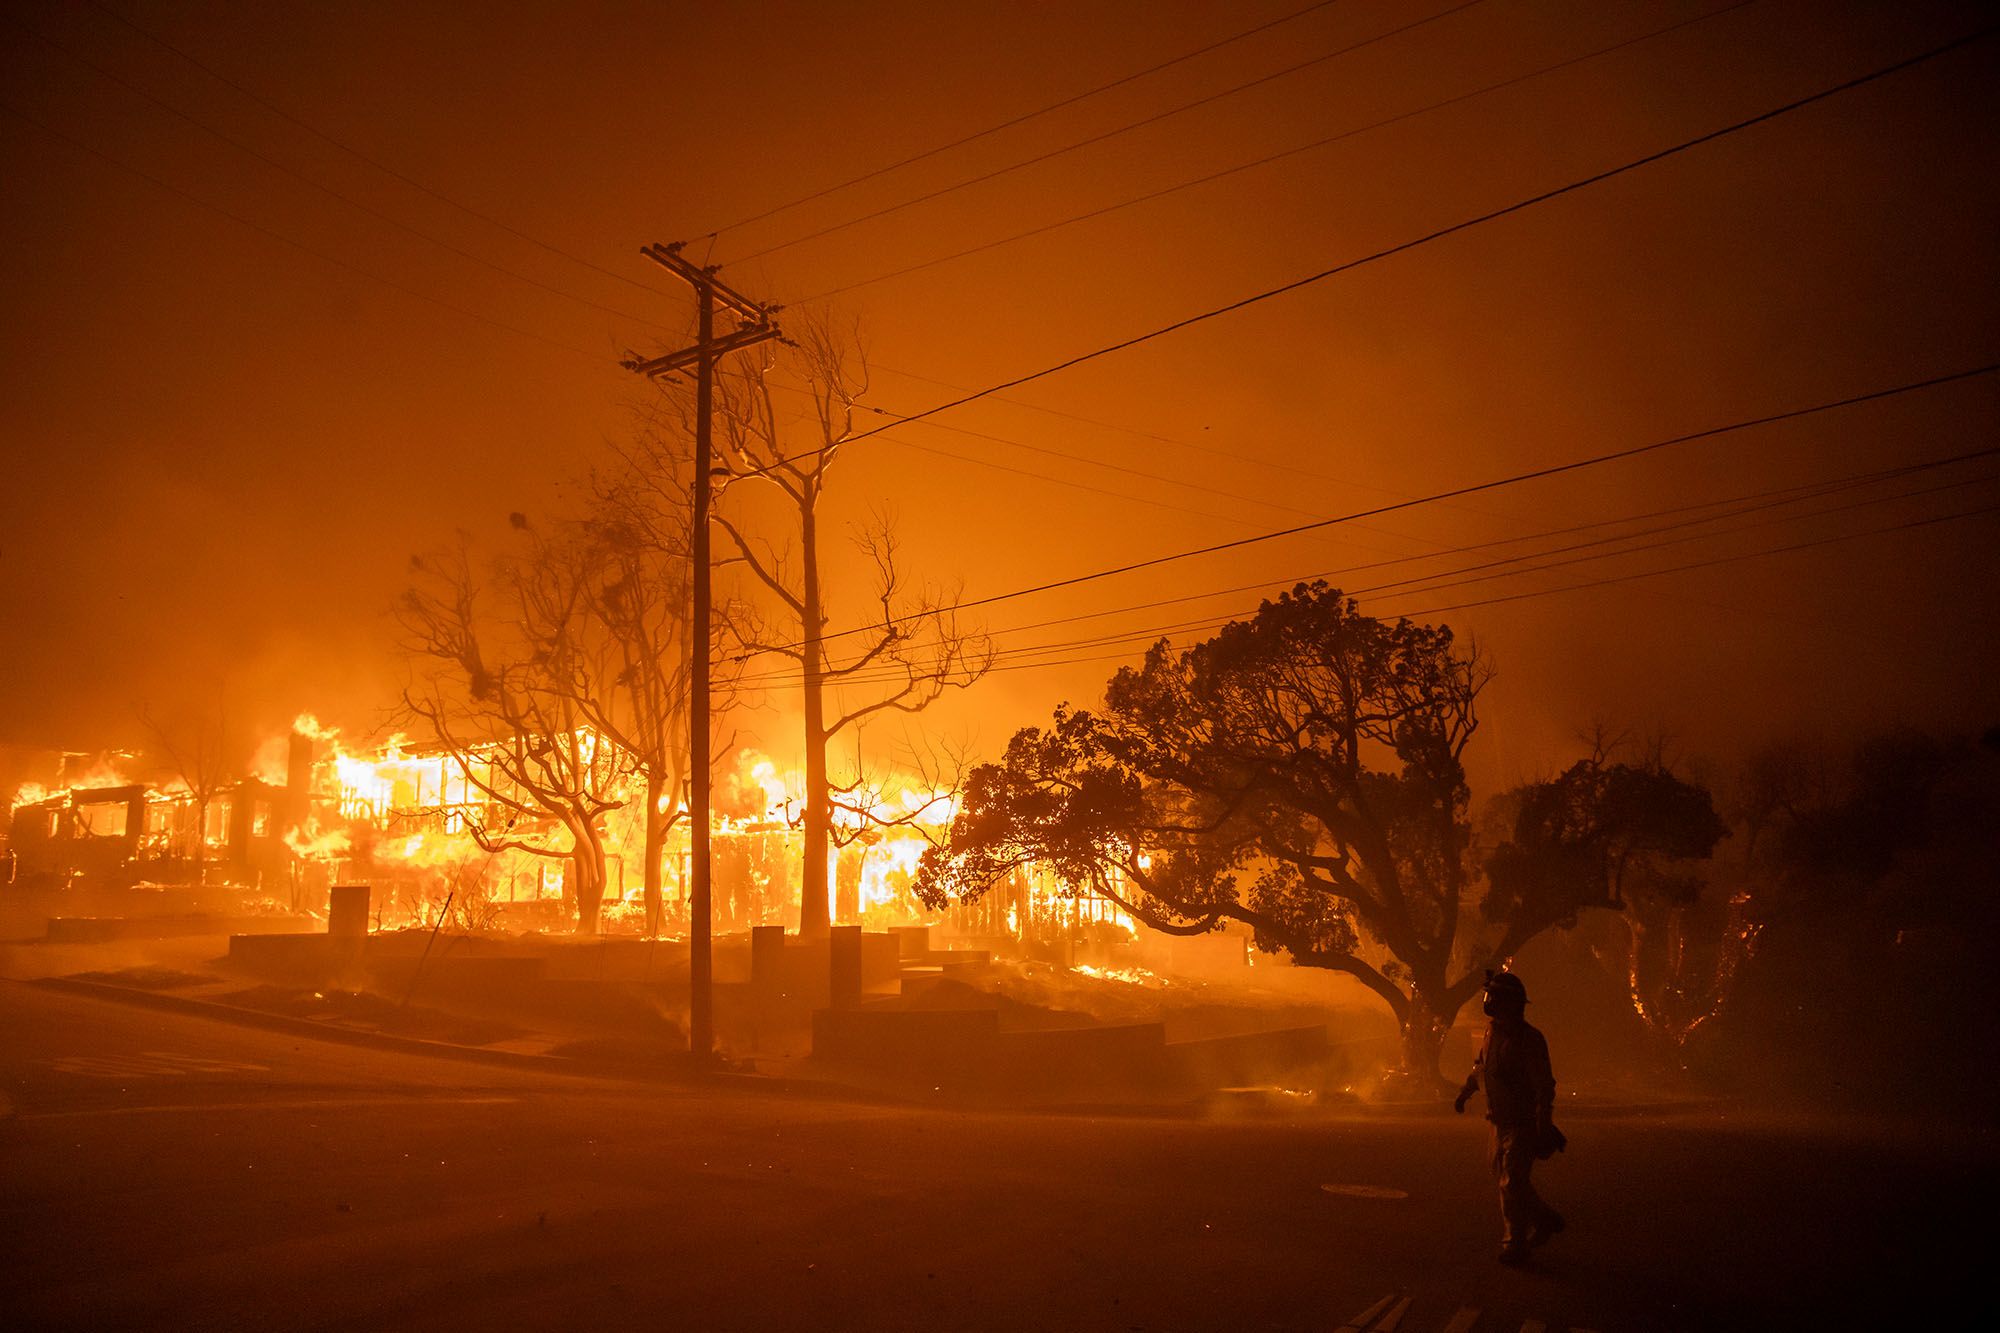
x=1300, y=772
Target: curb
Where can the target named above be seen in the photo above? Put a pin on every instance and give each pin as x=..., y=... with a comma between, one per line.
x=543, y=1064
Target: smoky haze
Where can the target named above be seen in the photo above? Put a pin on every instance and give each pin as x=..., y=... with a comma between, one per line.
x=230, y=423
x=1557, y=440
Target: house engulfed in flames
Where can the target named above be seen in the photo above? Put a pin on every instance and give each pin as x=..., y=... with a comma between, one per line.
x=407, y=819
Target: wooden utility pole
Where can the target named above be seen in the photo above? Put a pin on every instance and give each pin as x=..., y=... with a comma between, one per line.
x=753, y=325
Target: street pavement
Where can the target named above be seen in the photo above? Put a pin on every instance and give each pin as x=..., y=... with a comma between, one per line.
x=160, y=1170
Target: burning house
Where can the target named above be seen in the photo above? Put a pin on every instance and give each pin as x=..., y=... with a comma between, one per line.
x=114, y=833
x=441, y=834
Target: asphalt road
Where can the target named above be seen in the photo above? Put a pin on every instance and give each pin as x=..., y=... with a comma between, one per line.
x=165, y=1171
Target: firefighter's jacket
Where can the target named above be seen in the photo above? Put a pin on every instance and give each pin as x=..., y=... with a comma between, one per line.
x=1513, y=1069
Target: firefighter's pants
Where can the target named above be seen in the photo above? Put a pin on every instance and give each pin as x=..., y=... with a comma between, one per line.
x=1513, y=1165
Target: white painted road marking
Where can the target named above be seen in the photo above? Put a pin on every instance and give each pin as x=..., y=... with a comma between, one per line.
x=1382, y=1318
x=150, y=1064
x=1361, y=1321
x=1367, y=1191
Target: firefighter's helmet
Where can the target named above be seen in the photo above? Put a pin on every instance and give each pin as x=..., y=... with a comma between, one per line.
x=1504, y=989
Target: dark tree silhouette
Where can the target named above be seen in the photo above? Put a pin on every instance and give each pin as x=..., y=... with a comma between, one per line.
x=1869, y=866
x=1300, y=772
x=196, y=743
x=1627, y=838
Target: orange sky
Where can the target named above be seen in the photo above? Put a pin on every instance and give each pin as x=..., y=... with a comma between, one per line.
x=223, y=446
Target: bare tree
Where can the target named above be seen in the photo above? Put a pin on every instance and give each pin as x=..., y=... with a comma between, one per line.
x=916, y=796
x=639, y=583
x=908, y=651
x=513, y=698
x=196, y=742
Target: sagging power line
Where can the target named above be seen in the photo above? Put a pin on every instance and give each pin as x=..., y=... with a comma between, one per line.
x=1475, y=488
x=1210, y=178
x=1092, y=140
x=1427, y=238
x=1013, y=122
x=1143, y=637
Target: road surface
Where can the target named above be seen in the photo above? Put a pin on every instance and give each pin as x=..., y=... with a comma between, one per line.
x=165, y=1171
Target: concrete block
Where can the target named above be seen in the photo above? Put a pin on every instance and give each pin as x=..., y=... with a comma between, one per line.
x=844, y=967
x=881, y=961
x=767, y=957
x=347, y=911
x=295, y=958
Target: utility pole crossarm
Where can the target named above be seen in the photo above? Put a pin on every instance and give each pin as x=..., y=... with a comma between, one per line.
x=656, y=367
x=669, y=257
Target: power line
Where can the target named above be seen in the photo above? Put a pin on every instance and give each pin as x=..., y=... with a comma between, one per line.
x=1790, y=494
x=1753, y=502
x=1127, y=496
x=1444, y=580
x=1210, y=449
x=1609, y=580
x=328, y=190
x=1719, y=560
x=1604, y=582
x=1159, y=477
x=1023, y=119
x=1241, y=167
x=1213, y=451
x=1405, y=246
x=1467, y=224
x=1750, y=502
x=1534, y=474
x=1213, y=622
x=361, y=156
x=300, y=246
x=1130, y=497
x=1433, y=583
x=1153, y=119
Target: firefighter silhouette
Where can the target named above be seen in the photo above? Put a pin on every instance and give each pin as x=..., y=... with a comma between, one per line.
x=1513, y=1070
